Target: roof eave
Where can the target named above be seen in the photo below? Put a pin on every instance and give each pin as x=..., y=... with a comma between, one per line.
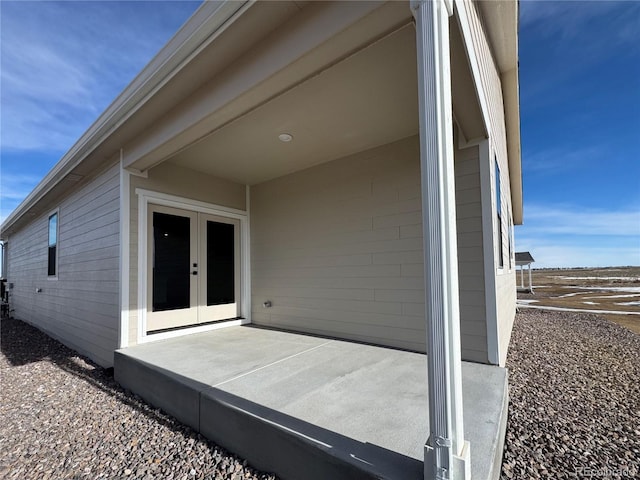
x=512, y=120
x=500, y=18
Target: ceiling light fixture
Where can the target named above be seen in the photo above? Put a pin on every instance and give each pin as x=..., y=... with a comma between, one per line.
x=285, y=137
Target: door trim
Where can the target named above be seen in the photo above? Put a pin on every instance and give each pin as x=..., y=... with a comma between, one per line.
x=145, y=197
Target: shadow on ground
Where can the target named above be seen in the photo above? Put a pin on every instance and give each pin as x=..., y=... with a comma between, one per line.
x=22, y=344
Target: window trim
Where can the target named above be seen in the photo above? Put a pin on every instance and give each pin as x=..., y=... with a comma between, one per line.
x=55, y=212
x=498, y=212
x=512, y=255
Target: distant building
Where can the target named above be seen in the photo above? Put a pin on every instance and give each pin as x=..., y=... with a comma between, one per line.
x=524, y=259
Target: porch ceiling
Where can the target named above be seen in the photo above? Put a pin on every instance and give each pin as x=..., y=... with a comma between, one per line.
x=366, y=100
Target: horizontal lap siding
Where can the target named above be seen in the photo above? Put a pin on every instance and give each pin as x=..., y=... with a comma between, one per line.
x=473, y=327
x=81, y=307
x=506, y=296
x=492, y=85
x=337, y=249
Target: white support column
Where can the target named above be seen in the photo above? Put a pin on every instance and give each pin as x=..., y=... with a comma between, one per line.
x=522, y=276
x=530, y=282
x=446, y=452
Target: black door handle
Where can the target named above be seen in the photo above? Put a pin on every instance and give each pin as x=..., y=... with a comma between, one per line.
x=194, y=273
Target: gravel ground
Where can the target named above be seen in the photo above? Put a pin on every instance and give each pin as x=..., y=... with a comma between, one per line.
x=574, y=398
x=574, y=412
x=62, y=416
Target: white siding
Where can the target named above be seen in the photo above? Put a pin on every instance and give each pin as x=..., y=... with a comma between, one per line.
x=473, y=327
x=182, y=182
x=81, y=308
x=337, y=249
x=506, y=302
x=490, y=79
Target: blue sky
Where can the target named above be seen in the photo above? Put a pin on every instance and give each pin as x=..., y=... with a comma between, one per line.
x=62, y=63
x=580, y=127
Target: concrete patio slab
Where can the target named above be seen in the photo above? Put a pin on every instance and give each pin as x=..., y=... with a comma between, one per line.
x=311, y=407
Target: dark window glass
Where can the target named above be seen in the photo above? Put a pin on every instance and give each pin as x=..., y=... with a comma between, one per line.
x=220, y=263
x=171, y=262
x=51, y=269
x=499, y=214
x=53, y=245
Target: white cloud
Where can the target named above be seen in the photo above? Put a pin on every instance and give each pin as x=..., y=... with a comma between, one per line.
x=555, y=14
x=47, y=91
x=16, y=186
x=569, y=18
x=13, y=189
x=561, y=256
x=64, y=62
x=553, y=220
x=575, y=36
x=559, y=159
x=568, y=236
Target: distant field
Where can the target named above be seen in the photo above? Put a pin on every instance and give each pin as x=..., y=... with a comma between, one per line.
x=598, y=289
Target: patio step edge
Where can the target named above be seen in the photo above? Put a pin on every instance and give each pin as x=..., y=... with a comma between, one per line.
x=269, y=440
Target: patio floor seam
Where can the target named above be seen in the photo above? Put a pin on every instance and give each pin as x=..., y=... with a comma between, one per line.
x=272, y=364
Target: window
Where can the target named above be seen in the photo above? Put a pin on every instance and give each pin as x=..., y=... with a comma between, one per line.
x=499, y=217
x=3, y=259
x=53, y=245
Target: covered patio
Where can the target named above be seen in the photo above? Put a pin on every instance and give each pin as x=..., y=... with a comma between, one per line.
x=330, y=137
x=312, y=407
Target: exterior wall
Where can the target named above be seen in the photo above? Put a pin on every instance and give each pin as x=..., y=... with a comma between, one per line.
x=473, y=326
x=81, y=307
x=505, y=278
x=506, y=303
x=182, y=182
x=337, y=249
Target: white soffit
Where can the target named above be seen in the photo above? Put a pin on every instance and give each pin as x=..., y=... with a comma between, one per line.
x=368, y=99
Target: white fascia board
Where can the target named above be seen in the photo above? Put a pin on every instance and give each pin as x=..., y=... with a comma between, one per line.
x=467, y=40
x=509, y=85
x=500, y=19
x=511, y=96
x=192, y=37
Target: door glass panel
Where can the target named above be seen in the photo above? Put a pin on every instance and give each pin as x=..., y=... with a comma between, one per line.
x=220, y=263
x=171, y=262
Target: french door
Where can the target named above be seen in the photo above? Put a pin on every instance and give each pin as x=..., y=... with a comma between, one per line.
x=193, y=268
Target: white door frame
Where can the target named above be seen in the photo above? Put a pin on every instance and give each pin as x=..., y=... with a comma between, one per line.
x=145, y=197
